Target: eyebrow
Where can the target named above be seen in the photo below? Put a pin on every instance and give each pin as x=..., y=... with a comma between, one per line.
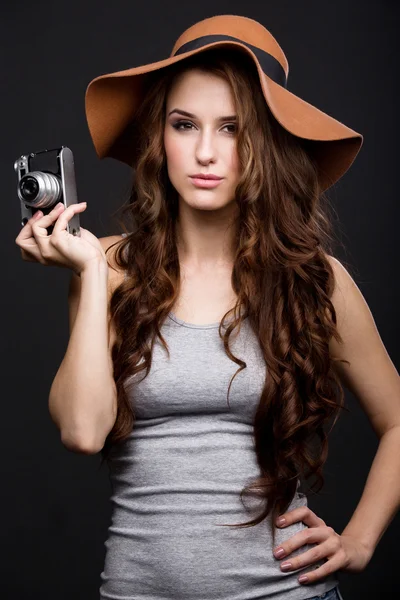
x=192, y=116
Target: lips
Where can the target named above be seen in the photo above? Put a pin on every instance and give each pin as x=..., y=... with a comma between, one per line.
x=203, y=182
x=200, y=176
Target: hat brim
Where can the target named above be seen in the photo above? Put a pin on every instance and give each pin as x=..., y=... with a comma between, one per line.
x=112, y=99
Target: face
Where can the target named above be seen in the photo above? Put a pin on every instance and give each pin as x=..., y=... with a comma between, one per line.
x=202, y=142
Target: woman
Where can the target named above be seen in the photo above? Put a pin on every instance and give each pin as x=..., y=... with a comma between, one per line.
x=205, y=458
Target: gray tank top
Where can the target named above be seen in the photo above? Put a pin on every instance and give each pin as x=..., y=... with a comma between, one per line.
x=180, y=472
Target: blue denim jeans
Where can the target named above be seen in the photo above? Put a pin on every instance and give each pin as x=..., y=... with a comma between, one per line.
x=333, y=594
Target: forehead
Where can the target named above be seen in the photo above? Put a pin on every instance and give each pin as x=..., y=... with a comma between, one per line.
x=199, y=91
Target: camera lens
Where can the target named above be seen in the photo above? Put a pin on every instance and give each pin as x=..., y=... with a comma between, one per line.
x=40, y=189
x=29, y=188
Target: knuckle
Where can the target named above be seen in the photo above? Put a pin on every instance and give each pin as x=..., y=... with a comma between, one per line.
x=337, y=543
x=344, y=558
x=55, y=243
x=307, y=535
x=46, y=252
x=324, y=569
x=330, y=530
x=314, y=554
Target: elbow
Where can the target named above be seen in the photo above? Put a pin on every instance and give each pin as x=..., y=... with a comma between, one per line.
x=79, y=446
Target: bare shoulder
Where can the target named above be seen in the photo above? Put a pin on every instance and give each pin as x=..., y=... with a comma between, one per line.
x=345, y=289
x=347, y=299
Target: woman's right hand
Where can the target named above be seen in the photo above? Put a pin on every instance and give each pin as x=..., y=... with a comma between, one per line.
x=60, y=248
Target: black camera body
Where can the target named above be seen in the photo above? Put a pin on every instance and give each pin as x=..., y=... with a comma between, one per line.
x=46, y=178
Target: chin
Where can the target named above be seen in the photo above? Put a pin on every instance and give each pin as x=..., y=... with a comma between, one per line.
x=208, y=199
x=210, y=205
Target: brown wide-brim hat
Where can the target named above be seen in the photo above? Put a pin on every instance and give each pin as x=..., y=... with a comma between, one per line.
x=112, y=99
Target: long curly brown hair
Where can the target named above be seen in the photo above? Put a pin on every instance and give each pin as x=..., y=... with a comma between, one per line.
x=281, y=275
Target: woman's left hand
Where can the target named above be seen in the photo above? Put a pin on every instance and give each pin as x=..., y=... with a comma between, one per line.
x=339, y=551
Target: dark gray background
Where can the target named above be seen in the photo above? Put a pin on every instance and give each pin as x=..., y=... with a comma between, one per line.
x=342, y=58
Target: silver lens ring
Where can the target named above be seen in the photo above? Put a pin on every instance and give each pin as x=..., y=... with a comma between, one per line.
x=39, y=189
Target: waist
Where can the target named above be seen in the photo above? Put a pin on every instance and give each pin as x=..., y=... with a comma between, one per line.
x=194, y=562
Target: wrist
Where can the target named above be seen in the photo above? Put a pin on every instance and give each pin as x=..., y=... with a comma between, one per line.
x=367, y=546
x=96, y=266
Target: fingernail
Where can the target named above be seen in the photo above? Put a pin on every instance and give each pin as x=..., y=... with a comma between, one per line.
x=303, y=579
x=279, y=553
x=281, y=521
x=38, y=214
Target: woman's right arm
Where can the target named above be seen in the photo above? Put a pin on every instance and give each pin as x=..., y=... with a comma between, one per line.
x=83, y=398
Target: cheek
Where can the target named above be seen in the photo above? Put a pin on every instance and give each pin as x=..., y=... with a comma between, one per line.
x=175, y=153
x=234, y=164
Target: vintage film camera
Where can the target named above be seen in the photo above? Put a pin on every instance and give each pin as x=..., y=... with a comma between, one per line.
x=46, y=178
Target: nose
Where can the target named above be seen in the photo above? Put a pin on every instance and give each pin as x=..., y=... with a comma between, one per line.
x=206, y=148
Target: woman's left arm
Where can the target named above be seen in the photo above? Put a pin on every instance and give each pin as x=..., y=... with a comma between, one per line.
x=375, y=382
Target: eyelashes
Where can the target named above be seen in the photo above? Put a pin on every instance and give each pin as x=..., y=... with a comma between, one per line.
x=178, y=125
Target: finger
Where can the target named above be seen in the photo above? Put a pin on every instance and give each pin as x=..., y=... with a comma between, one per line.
x=67, y=215
x=40, y=225
x=309, y=535
x=28, y=257
x=330, y=566
x=316, y=554
x=303, y=513
x=27, y=240
x=26, y=232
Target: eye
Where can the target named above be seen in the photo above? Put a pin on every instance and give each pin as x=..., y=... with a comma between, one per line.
x=231, y=125
x=180, y=124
